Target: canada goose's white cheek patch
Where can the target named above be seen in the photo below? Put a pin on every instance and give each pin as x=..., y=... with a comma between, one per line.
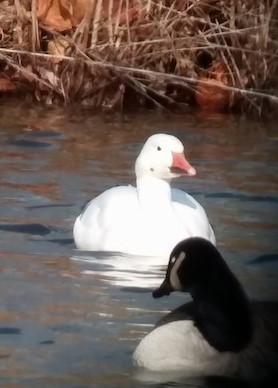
x=173, y=259
x=176, y=263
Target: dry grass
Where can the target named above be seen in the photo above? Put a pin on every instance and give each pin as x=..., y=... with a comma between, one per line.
x=220, y=55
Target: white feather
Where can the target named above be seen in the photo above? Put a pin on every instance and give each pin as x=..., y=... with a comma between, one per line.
x=148, y=219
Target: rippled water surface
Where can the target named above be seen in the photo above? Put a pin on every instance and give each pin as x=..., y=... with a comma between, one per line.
x=71, y=319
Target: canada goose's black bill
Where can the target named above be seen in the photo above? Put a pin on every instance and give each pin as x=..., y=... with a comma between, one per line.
x=164, y=289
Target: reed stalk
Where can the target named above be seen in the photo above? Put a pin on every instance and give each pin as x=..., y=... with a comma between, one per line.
x=215, y=54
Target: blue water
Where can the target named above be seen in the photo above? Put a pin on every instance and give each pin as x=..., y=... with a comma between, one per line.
x=73, y=320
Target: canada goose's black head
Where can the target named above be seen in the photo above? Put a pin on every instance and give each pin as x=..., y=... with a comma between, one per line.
x=193, y=264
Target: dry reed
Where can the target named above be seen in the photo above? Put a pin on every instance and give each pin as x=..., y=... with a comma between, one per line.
x=113, y=54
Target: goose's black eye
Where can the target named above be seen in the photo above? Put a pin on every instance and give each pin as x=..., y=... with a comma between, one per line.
x=158, y=148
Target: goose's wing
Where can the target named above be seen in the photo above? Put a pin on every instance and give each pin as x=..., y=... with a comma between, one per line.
x=109, y=206
x=106, y=218
x=192, y=214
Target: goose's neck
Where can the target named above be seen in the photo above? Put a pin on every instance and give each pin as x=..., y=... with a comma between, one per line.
x=224, y=316
x=154, y=192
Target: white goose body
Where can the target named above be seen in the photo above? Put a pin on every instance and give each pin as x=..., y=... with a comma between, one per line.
x=179, y=346
x=148, y=219
x=220, y=332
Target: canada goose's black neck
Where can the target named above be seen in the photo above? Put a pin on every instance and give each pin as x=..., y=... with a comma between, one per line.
x=221, y=309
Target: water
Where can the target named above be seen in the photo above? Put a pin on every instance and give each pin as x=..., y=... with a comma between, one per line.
x=73, y=320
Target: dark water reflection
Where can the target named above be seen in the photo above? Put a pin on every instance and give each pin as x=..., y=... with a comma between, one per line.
x=71, y=320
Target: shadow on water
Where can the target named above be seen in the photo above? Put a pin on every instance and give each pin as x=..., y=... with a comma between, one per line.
x=38, y=230
x=242, y=197
x=264, y=259
x=73, y=319
x=35, y=229
x=9, y=330
x=30, y=143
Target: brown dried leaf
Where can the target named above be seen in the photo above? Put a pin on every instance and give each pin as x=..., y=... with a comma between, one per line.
x=219, y=71
x=6, y=85
x=129, y=15
x=210, y=96
x=57, y=47
x=48, y=76
x=61, y=15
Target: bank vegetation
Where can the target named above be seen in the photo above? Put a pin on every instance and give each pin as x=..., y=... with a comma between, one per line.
x=218, y=55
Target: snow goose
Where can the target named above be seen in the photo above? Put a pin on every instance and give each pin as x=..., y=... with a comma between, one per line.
x=152, y=217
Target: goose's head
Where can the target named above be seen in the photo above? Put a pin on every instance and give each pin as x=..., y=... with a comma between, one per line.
x=162, y=156
x=221, y=309
x=195, y=265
